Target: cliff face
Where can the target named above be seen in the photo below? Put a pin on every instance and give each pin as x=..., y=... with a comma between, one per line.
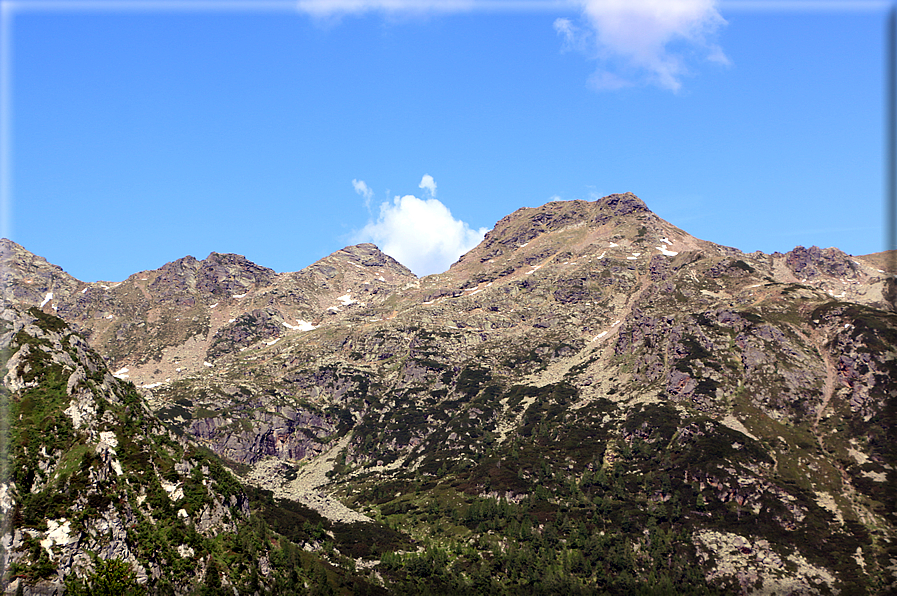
x=591, y=390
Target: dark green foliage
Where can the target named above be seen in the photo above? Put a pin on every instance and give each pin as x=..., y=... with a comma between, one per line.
x=112, y=577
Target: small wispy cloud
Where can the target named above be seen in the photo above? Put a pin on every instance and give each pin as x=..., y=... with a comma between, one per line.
x=362, y=188
x=422, y=234
x=633, y=39
x=365, y=191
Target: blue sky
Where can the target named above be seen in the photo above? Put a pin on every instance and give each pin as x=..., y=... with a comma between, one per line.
x=281, y=131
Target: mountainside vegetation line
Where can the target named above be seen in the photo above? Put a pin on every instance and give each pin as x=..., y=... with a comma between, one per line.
x=591, y=401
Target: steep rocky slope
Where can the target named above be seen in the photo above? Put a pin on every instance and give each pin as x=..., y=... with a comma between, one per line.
x=590, y=400
x=92, y=478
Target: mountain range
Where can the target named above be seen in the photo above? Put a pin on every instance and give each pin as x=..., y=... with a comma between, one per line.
x=589, y=401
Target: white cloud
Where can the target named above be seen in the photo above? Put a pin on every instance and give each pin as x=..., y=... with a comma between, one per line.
x=362, y=188
x=566, y=29
x=428, y=184
x=636, y=35
x=421, y=234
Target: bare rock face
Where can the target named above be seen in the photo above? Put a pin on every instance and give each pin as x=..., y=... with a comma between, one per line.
x=808, y=263
x=30, y=279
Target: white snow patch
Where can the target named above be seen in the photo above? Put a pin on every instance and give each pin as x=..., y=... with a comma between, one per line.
x=109, y=317
x=213, y=305
x=121, y=373
x=302, y=326
x=666, y=252
x=613, y=245
x=271, y=343
x=631, y=258
x=47, y=299
x=333, y=308
x=522, y=245
x=534, y=269
x=209, y=364
x=600, y=335
x=84, y=290
x=232, y=320
x=239, y=295
x=151, y=385
x=381, y=278
x=666, y=240
x=346, y=299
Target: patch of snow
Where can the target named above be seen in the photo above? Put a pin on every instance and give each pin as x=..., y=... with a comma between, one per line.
x=534, y=269
x=333, y=308
x=232, y=320
x=209, y=364
x=151, y=385
x=666, y=240
x=302, y=326
x=84, y=290
x=522, y=245
x=108, y=317
x=346, y=299
x=613, y=245
x=666, y=252
x=271, y=343
x=121, y=374
x=356, y=264
x=600, y=335
x=47, y=299
x=213, y=305
x=477, y=291
x=239, y=295
x=636, y=254
x=631, y=258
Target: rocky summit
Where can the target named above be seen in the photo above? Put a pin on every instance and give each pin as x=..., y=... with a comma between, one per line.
x=591, y=401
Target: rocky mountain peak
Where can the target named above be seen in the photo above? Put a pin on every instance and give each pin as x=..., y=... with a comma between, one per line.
x=28, y=278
